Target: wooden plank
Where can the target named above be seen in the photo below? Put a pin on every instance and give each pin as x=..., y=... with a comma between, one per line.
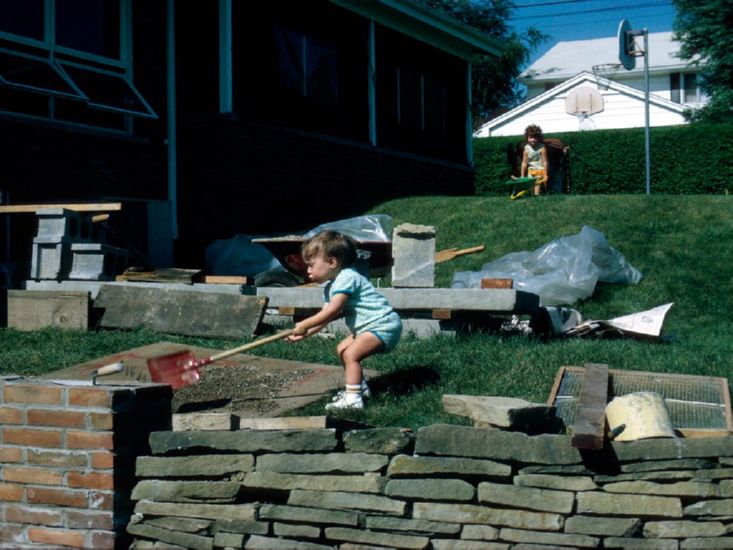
x=190, y=313
x=36, y=309
x=442, y=313
x=703, y=432
x=227, y=280
x=497, y=283
x=77, y=207
x=299, y=423
x=590, y=420
x=164, y=275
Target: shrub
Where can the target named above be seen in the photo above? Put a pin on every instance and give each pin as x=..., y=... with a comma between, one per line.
x=686, y=159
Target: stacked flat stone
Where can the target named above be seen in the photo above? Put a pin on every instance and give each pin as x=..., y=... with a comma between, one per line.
x=448, y=487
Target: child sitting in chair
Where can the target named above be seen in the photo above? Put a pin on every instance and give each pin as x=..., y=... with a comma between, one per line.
x=534, y=157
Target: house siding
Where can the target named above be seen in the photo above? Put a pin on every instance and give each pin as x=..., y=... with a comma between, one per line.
x=255, y=178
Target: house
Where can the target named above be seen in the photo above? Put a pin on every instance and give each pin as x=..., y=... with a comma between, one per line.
x=673, y=87
x=208, y=119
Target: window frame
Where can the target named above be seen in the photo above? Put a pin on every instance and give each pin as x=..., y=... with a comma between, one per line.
x=56, y=56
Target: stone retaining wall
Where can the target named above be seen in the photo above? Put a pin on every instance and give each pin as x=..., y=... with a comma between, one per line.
x=447, y=487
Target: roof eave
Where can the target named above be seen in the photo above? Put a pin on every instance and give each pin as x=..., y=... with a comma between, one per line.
x=422, y=22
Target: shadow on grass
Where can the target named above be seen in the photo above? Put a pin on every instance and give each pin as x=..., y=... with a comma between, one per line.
x=404, y=381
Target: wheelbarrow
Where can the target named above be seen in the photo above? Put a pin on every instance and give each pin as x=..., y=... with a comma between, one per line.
x=373, y=257
x=523, y=186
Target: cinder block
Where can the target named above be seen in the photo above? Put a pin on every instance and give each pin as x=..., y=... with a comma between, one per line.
x=50, y=259
x=96, y=262
x=413, y=251
x=59, y=224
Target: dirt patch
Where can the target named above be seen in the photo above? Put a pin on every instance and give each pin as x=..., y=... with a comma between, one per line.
x=246, y=385
x=250, y=386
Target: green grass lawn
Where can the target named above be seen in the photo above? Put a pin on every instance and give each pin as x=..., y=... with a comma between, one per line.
x=681, y=244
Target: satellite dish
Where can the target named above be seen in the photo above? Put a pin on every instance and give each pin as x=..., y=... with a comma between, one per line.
x=626, y=45
x=584, y=100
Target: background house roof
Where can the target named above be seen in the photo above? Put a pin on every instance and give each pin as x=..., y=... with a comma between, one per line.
x=567, y=59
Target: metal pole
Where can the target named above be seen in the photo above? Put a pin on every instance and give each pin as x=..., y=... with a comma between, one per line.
x=646, y=108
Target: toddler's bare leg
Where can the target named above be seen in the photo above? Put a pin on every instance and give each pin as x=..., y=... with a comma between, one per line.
x=353, y=350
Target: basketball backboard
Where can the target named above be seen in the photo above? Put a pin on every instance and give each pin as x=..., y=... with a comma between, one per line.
x=626, y=45
x=584, y=100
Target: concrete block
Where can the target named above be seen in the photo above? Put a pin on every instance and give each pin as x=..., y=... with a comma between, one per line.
x=96, y=262
x=93, y=287
x=50, y=259
x=60, y=223
x=413, y=252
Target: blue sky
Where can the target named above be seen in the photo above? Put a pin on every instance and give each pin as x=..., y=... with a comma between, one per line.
x=566, y=20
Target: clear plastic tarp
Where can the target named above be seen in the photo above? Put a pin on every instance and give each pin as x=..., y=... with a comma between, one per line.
x=560, y=272
x=240, y=256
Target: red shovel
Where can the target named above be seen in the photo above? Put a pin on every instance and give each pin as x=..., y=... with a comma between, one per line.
x=181, y=368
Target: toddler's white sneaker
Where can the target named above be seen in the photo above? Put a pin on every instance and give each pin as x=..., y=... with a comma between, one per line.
x=347, y=401
x=366, y=393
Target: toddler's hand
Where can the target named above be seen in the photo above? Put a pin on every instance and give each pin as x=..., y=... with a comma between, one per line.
x=299, y=332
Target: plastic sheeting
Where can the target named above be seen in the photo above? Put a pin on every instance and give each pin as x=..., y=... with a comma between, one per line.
x=560, y=272
x=240, y=256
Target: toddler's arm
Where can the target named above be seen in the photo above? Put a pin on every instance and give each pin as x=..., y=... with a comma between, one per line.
x=330, y=311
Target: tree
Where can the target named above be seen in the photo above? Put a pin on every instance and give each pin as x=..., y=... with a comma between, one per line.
x=494, y=80
x=704, y=31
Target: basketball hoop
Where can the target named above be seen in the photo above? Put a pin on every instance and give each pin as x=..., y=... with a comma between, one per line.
x=606, y=72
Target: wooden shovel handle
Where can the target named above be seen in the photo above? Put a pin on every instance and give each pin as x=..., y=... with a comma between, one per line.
x=251, y=345
x=471, y=250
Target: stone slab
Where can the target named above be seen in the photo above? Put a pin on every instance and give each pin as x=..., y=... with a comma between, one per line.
x=193, y=466
x=246, y=441
x=185, y=312
x=281, y=482
x=33, y=310
x=405, y=465
x=430, y=489
x=344, y=500
x=464, y=441
x=484, y=515
x=413, y=253
x=93, y=286
x=530, y=498
x=223, y=492
x=628, y=505
x=308, y=515
x=414, y=299
x=204, y=421
x=332, y=463
x=605, y=526
x=234, y=512
x=502, y=412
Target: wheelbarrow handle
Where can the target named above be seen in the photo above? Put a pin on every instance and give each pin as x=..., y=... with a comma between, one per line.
x=246, y=347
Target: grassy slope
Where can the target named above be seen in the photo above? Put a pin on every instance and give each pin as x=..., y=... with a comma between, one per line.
x=681, y=244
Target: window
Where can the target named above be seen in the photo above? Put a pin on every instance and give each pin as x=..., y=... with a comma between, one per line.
x=76, y=53
x=684, y=88
x=307, y=66
x=421, y=102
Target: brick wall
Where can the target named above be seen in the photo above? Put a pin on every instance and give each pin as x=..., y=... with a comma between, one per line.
x=450, y=487
x=67, y=460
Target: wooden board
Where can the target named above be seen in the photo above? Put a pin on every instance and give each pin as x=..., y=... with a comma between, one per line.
x=227, y=280
x=590, y=418
x=164, y=275
x=36, y=309
x=497, y=283
x=77, y=207
x=190, y=313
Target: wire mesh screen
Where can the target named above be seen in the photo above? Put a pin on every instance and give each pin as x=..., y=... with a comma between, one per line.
x=693, y=401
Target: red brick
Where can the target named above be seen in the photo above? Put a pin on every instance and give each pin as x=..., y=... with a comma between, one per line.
x=90, y=397
x=37, y=476
x=30, y=437
x=100, y=500
x=92, y=480
x=101, y=421
x=55, y=417
x=32, y=393
x=89, y=440
x=11, y=454
x=59, y=497
x=86, y=519
x=102, y=539
x=33, y=515
x=60, y=459
x=10, y=492
x=11, y=415
x=57, y=537
x=11, y=533
x=103, y=460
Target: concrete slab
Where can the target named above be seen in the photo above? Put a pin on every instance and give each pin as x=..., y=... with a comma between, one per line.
x=93, y=286
x=499, y=300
